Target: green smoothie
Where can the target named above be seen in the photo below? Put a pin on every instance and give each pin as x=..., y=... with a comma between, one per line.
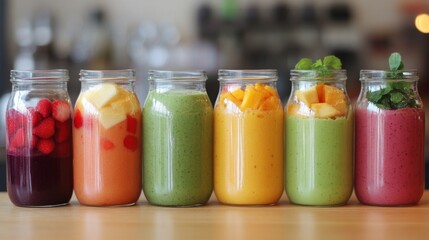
x=319, y=160
x=177, y=148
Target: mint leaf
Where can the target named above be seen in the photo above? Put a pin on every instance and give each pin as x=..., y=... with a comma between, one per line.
x=395, y=61
x=332, y=62
x=396, y=97
x=304, y=64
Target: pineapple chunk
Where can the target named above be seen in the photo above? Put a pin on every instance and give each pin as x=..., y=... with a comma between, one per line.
x=230, y=97
x=100, y=96
x=252, y=98
x=270, y=103
x=307, y=96
x=271, y=90
x=109, y=116
x=336, y=98
x=238, y=94
x=324, y=110
x=260, y=88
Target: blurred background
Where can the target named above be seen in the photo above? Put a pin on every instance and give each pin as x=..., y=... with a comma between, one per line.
x=208, y=35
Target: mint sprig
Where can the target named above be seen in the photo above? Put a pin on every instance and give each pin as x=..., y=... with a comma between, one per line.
x=323, y=67
x=394, y=95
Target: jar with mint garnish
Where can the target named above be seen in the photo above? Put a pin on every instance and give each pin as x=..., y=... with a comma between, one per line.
x=389, y=135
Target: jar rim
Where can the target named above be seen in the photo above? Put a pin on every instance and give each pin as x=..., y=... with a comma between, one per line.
x=384, y=75
x=171, y=75
x=247, y=75
x=315, y=75
x=107, y=75
x=49, y=75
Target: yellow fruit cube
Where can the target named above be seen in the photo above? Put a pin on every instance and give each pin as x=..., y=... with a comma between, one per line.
x=336, y=98
x=307, y=96
x=252, y=98
x=271, y=90
x=270, y=103
x=231, y=98
x=321, y=92
x=238, y=94
x=260, y=88
x=324, y=110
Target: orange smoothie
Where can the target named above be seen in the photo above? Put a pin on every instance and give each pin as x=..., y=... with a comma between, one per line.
x=248, y=146
x=107, y=153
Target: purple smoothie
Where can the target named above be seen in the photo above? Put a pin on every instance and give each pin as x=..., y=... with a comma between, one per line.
x=39, y=180
x=389, y=156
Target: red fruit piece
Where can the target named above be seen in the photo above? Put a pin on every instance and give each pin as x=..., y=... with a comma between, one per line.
x=62, y=131
x=44, y=107
x=131, y=124
x=18, y=140
x=14, y=121
x=45, y=129
x=63, y=149
x=107, y=144
x=78, y=119
x=35, y=116
x=45, y=146
x=61, y=110
x=130, y=142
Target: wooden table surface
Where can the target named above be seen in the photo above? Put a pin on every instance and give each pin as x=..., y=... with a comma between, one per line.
x=215, y=221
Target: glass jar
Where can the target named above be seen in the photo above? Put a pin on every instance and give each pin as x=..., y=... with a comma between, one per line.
x=319, y=139
x=178, y=139
x=390, y=130
x=38, y=139
x=248, y=138
x=107, y=139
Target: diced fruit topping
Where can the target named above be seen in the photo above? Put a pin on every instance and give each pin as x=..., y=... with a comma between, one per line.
x=102, y=95
x=131, y=124
x=107, y=144
x=131, y=142
x=63, y=131
x=45, y=146
x=61, y=110
x=307, y=96
x=14, y=121
x=18, y=139
x=46, y=128
x=320, y=101
x=44, y=107
x=255, y=97
x=78, y=119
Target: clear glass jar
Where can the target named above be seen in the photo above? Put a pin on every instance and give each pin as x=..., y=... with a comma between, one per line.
x=390, y=130
x=248, y=138
x=178, y=139
x=319, y=139
x=38, y=139
x=107, y=139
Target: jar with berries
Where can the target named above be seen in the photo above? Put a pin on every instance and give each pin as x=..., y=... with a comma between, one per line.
x=39, y=139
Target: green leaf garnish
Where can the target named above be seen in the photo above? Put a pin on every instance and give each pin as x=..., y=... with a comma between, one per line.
x=394, y=95
x=323, y=67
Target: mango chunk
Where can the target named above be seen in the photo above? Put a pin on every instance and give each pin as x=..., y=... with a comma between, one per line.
x=252, y=98
x=231, y=98
x=238, y=94
x=260, y=88
x=324, y=110
x=336, y=98
x=270, y=103
x=307, y=96
x=271, y=90
x=321, y=92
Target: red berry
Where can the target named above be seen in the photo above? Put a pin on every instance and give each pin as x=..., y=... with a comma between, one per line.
x=62, y=131
x=18, y=140
x=44, y=107
x=78, y=119
x=35, y=116
x=63, y=149
x=131, y=142
x=61, y=110
x=45, y=146
x=45, y=129
x=131, y=124
x=14, y=121
x=107, y=144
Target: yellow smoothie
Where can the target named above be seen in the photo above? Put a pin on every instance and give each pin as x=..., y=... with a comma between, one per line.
x=248, y=146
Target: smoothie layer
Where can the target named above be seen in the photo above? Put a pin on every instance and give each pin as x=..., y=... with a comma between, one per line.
x=178, y=155
x=248, y=156
x=389, y=156
x=319, y=160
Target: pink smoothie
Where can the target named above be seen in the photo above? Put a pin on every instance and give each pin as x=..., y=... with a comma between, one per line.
x=389, y=156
